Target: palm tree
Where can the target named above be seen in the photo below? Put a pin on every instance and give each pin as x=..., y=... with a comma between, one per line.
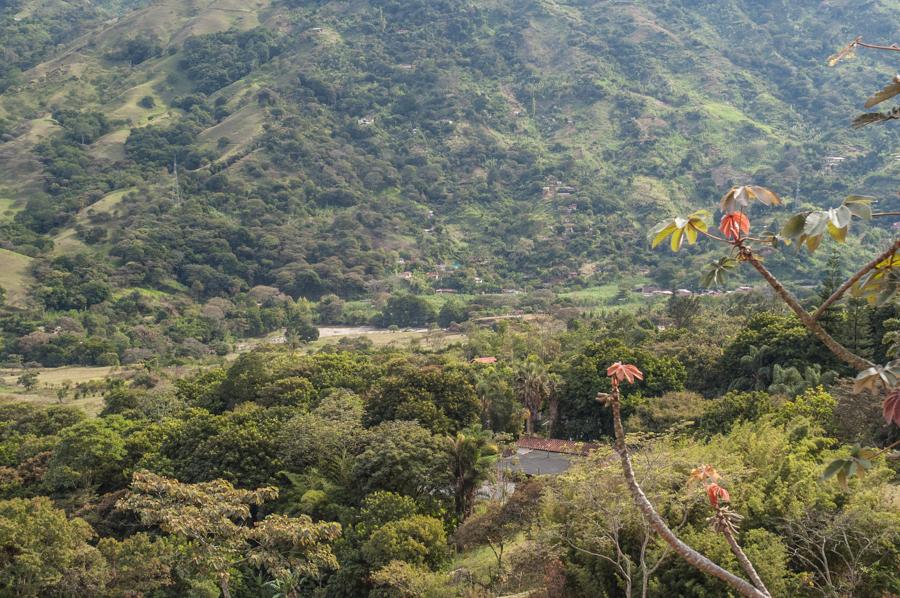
x=553, y=404
x=533, y=386
x=489, y=388
x=472, y=455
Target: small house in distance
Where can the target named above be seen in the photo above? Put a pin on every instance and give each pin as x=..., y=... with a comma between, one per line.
x=545, y=456
x=485, y=360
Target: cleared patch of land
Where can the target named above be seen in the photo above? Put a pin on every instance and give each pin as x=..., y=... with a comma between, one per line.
x=240, y=129
x=15, y=276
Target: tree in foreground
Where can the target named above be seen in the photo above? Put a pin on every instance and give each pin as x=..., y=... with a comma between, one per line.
x=214, y=518
x=723, y=520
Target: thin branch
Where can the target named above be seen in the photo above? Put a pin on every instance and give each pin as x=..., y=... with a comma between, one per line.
x=690, y=555
x=840, y=351
x=893, y=47
x=886, y=449
x=837, y=294
x=745, y=563
x=712, y=236
x=884, y=214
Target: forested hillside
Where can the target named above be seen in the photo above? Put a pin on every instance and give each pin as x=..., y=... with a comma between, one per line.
x=443, y=298
x=179, y=152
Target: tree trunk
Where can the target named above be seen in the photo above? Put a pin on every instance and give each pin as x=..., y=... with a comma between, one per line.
x=690, y=555
x=840, y=351
x=553, y=415
x=223, y=585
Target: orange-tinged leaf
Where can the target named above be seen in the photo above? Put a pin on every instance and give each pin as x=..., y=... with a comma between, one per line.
x=891, y=408
x=892, y=89
x=624, y=371
x=764, y=195
x=717, y=494
x=732, y=225
x=704, y=472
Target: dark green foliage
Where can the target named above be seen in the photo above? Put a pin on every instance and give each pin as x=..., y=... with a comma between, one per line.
x=766, y=340
x=82, y=127
x=585, y=375
x=452, y=311
x=402, y=457
x=440, y=398
x=163, y=146
x=732, y=408
x=75, y=282
x=213, y=61
x=138, y=49
x=239, y=446
x=407, y=311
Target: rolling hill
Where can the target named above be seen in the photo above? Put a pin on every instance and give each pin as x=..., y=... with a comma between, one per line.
x=207, y=147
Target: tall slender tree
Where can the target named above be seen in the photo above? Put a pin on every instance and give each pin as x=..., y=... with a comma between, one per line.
x=533, y=387
x=472, y=455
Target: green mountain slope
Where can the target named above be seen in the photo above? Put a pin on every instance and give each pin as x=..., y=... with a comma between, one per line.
x=321, y=147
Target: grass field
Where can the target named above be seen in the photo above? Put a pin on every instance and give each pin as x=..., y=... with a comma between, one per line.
x=240, y=128
x=15, y=276
x=605, y=295
x=48, y=381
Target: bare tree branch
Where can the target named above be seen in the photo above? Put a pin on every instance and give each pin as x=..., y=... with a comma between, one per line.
x=840, y=351
x=837, y=294
x=694, y=558
x=745, y=563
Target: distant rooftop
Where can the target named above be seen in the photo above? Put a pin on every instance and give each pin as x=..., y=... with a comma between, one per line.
x=485, y=360
x=553, y=445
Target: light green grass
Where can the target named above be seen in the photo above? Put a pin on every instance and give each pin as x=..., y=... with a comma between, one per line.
x=91, y=405
x=66, y=241
x=8, y=209
x=240, y=128
x=15, y=276
x=602, y=295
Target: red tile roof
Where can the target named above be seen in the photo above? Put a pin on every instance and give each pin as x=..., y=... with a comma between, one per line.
x=552, y=445
x=485, y=360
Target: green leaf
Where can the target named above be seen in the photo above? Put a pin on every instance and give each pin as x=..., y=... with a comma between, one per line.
x=691, y=233
x=717, y=272
x=832, y=469
x=815, y=223
x=860, y=206
x=793, y=228
x=840, y=216
x=677, y=238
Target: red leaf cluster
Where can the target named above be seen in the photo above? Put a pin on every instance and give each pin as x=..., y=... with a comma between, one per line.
x=732, y=225
x=623, y=371
x=891, y=407
x=716, y=494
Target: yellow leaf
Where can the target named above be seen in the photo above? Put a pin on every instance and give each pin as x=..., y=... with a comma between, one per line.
x=677, y=238
x=838, y=234
x=661, y=236
x=691, y=233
